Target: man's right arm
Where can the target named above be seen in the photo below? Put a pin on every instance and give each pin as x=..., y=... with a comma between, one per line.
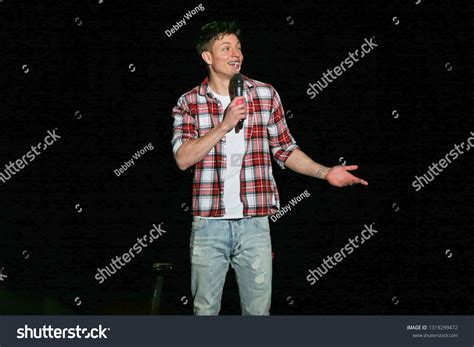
x=191, y=149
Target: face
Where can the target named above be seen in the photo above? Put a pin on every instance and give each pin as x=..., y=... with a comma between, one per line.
x=225, y=57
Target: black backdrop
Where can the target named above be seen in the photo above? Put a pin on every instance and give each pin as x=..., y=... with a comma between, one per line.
x=68, y=66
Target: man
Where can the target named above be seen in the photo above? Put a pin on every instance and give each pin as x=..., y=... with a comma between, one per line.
x=234, y=191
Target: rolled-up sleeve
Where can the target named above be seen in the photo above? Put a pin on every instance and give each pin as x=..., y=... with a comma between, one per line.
x=282, y=144
x=184, y=125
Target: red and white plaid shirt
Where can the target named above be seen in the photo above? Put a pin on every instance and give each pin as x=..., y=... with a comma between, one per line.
x=198, y=111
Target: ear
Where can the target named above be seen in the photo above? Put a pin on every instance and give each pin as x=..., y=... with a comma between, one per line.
x=207, y=57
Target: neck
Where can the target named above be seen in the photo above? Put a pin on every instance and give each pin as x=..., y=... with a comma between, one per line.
x=219, y=84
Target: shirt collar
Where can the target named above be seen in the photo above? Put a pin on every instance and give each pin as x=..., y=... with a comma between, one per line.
x=205, y=90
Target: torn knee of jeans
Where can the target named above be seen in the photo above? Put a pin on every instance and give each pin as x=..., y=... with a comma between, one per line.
x=260, y=278
x=256, y=264
x=197, y=250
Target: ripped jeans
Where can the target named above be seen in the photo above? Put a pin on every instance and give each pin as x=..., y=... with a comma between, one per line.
x=246, y=244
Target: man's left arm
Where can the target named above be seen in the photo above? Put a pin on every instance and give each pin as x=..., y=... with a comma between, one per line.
x=288, y=154
x=338, y=176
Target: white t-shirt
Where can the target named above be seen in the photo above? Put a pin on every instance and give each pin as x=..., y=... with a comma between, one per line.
x=234, y=149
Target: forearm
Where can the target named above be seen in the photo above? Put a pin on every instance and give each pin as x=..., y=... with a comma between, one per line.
x=193, y=151
x=299, y=162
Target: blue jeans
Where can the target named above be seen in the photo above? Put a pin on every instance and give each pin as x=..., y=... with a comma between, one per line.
x=246, y=244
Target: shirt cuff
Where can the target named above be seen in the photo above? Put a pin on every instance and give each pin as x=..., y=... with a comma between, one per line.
x=285, y=154
x=176, y=145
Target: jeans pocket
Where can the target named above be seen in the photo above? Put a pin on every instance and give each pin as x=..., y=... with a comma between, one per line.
x=198, y=224
x=261, y=223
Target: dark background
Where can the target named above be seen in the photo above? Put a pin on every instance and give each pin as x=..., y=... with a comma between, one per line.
x=79, y=81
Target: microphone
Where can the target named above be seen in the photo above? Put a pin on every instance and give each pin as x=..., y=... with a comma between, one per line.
x=237, y=89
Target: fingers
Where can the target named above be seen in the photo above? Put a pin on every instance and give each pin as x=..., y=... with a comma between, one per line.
x=356, y=180
x=239, y=100
x=238, y=108
x=236, y=111
x=240, y=111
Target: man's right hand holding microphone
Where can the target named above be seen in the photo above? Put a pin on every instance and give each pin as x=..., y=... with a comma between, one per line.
x=235, y=112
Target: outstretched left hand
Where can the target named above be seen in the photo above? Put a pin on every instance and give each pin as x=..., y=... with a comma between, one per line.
x=339, y=177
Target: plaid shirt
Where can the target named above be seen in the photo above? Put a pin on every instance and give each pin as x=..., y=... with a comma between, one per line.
x=198, y=111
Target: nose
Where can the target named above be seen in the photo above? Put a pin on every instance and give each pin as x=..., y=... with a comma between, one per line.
x=236, y=53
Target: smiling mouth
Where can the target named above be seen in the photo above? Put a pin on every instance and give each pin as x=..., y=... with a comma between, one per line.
x=235, y=65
